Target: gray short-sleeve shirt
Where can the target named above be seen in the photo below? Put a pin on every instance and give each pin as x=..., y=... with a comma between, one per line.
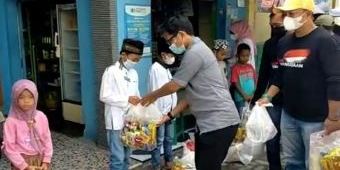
x=206, y=89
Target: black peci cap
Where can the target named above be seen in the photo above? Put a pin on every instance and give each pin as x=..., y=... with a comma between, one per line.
x=132, y=46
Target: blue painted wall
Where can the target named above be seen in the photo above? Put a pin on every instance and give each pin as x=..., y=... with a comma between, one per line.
x=86, y=67
x=145, y=63
x=220, y=18
x=10, y=52
x=4, y=56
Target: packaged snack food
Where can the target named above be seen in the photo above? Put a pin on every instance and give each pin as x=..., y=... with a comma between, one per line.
x=137, y=135
x=324, y=151
x=331, y=161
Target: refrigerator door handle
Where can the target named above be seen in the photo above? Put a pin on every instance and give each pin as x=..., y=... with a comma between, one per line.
x=56, y=44
x=33, y=64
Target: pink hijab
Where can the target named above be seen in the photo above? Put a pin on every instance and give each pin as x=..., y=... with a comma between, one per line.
x=28, y=116
x=242, y=29
x=17, y=89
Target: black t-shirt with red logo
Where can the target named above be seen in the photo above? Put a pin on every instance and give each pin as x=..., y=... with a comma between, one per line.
x=308, y=74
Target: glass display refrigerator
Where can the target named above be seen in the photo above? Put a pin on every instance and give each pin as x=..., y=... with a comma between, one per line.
x=67, y=48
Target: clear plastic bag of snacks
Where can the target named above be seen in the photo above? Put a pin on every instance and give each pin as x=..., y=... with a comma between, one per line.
x=138, y=135
x=139, y=131
x=324, y=152
x=144, y=114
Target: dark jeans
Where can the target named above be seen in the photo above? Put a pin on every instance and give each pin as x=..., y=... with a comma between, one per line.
x=273, y=145
x=211, y=148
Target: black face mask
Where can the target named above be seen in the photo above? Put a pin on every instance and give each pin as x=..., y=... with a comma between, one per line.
x=278, y=32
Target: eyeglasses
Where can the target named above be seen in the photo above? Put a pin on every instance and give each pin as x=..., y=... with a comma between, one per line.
x=169, y=41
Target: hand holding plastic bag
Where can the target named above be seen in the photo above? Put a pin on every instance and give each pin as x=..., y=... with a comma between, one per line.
x=259, y=126
x=144, y=114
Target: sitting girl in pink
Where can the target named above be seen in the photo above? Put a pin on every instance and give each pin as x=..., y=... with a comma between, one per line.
x=27, y=137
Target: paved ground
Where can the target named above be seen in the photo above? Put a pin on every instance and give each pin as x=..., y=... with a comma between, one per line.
x=80, y=154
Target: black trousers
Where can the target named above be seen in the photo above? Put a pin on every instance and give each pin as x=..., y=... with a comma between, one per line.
x=211, y=148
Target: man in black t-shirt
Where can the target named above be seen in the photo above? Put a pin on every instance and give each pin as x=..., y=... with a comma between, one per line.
x=308, y=75
x=268, y=61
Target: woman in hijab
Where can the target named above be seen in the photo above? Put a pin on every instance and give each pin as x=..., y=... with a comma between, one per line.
x=240, y=32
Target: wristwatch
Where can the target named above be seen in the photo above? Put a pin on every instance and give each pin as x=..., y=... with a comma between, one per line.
x=170, y=116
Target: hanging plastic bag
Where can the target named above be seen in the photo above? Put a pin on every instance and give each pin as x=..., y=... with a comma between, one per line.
x=258, y=129
x=139, y=131
x=187, y=161
x=139, y=136
x=259, y=126
x=320, y=152
x=144, y=114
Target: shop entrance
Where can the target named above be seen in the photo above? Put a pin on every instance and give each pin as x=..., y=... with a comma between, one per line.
x=50, y=43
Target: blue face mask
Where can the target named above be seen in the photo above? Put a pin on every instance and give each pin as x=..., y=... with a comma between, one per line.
x=177, y=50
x=128, y=64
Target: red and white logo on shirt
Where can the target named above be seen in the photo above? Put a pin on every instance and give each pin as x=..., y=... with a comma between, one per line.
x=294, y=58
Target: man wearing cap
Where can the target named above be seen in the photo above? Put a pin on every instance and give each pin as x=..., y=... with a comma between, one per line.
x=309, y=77
x=336, y=14
x=118, y=91
x=326, y=22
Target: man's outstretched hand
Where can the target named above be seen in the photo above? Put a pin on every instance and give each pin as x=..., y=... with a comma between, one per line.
x=148, y=99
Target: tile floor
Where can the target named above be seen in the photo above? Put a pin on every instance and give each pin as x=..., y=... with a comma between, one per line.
x=81, y=154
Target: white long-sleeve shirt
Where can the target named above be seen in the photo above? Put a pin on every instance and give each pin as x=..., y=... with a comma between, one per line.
x=158, y=76
x=117, y=85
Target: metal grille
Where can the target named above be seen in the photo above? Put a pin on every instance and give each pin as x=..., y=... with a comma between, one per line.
x=104, y=26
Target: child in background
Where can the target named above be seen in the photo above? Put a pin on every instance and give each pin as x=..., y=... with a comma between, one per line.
x=243, y=77
x=27, y=137
x=220, y=50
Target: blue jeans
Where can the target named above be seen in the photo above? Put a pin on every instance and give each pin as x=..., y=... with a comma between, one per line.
x=239, y=106
x=273, y=145
x=295, y=135
x=164, y=138
x=119, y=154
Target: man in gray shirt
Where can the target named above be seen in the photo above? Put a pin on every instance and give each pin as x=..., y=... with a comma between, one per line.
x=206, y=93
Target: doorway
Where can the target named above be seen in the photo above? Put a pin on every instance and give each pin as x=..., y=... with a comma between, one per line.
x=44, y=61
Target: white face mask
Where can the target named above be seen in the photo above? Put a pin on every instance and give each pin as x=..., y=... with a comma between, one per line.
x=169, y=60
x=128, y=64
x=291, y=24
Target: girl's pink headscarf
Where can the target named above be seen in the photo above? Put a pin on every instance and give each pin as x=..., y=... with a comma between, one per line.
x=27, y=116
x=242, y=29
x=17, y=89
